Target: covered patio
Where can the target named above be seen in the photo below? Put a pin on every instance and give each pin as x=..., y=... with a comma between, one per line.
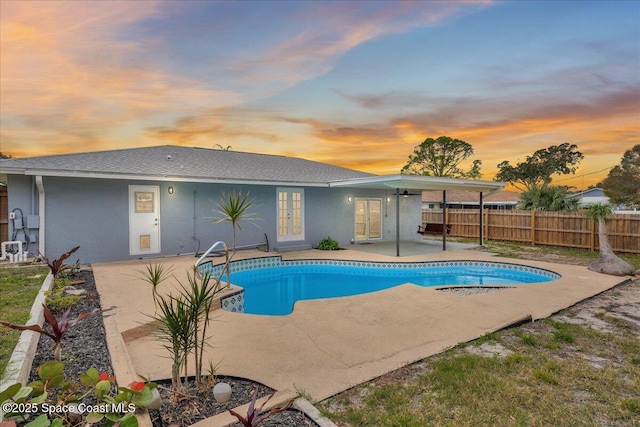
x=412, y=185
x=409, y=248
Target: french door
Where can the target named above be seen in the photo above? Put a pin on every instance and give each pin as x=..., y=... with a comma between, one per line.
x=368, y=219
x=290, y=214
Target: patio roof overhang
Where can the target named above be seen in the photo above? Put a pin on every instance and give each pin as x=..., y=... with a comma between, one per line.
x=423, y=183
x=417, y=182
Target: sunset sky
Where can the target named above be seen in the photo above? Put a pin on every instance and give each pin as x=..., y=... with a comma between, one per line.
x=356, y=84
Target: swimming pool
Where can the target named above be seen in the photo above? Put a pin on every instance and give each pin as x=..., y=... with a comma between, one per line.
x=272, y=286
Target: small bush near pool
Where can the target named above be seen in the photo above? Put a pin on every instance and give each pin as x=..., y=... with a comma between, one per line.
x=328, y=244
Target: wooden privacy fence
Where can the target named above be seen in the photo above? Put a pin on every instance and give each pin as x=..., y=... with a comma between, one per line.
x=568, y=229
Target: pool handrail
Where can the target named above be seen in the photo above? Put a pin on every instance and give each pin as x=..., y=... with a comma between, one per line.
x=211, y=249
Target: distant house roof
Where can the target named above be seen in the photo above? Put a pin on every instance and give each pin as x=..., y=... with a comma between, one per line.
x=590, y=196
x=471, y=197
x=169, y=162
x=592, y=192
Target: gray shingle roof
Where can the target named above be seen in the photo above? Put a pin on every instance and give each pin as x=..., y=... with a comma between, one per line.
x=186, y=163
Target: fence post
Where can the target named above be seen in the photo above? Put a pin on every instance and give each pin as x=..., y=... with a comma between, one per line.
x=486, y=224
x=592, y=240
x=533, y=228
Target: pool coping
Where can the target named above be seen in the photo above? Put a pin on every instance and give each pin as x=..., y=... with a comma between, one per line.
x=234, y=301
x=251, y=346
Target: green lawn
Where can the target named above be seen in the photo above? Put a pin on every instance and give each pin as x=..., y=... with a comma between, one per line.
x=556, y=374
x=19, y=287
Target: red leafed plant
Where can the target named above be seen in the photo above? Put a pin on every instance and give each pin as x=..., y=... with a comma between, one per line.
x=58, y=328
x=255, y=415
x=57, y=265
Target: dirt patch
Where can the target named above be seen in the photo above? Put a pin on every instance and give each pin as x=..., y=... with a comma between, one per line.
x=609, y=311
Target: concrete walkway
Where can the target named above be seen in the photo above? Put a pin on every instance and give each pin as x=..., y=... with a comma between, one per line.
x=326, y=346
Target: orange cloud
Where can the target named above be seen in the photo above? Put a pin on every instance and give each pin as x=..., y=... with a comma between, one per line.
x=69, y=83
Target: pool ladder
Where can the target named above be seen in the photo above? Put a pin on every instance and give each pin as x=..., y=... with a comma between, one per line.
x=212, y=249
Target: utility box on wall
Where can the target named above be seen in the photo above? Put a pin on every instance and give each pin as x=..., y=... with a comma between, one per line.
x=33, y=221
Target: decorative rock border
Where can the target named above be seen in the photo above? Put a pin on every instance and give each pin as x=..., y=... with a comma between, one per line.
x=19, y=365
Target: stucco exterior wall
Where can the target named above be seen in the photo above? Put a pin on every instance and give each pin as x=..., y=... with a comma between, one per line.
x=94, y=213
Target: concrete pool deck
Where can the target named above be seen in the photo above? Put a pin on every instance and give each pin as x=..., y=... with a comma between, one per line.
x=327, y=346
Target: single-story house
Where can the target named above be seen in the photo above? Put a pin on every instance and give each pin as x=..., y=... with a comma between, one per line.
x=159, y=201
x=595, y=195
x=506, y=200
x=590, y=197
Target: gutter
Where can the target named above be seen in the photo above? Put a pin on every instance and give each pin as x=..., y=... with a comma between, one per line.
x=41, y=205
x=162, y=178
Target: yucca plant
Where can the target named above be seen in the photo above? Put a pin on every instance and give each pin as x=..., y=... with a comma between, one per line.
x=199, y=296
x=154, y=275
x=234, y=208
x=184, y=320
x=176, y=330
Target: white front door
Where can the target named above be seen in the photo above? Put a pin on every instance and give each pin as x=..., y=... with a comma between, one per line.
x=144, y=219
x=290, y=214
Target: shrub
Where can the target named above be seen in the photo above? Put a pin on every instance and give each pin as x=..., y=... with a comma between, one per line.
x=52, y=391
x=328, y=244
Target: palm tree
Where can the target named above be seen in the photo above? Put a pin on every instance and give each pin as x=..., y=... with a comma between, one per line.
x=607, y=262
x=234, y=208
x=547, y=198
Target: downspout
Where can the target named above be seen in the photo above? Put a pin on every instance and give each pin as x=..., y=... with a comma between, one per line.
x=41, y=204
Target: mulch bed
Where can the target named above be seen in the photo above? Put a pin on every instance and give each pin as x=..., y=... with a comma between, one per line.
x=85, y=346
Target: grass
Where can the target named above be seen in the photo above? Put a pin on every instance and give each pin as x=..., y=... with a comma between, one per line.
x=583, y=256
x=556, y=373
x=533, y=386
x=19, y=287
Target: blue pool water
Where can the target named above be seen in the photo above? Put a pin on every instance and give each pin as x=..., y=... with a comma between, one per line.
x=274, y=290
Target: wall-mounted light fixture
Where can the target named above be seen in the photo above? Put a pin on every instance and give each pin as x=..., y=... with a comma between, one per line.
x=170, y=189
x=388, y=199
x=349, y=199
x=405, y=194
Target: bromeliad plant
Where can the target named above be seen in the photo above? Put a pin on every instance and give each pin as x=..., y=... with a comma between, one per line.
x=52, y=390
x=255, y=415
x=59, y=328
x=57, y=266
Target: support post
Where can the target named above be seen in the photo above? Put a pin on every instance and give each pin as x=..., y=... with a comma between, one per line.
x=481, y=220
x=444, y=220
x=397, y=222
